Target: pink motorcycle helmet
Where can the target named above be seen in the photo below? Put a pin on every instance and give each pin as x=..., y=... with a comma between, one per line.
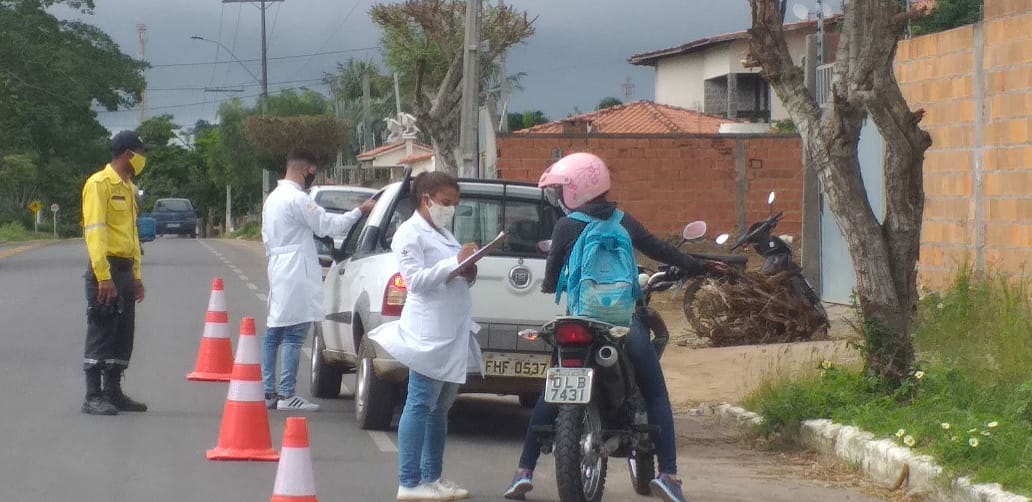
x=582, y=177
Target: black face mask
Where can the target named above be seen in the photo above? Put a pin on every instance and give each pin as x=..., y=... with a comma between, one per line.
x=309, y=179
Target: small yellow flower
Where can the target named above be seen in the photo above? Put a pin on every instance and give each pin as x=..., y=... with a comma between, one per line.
x=940, y=306
x=987, y=433
x=973, y=442
x=919, y=375
x=900, y=433
x=954, y=438
x=909, y=441
x=992, y=425
x=945, y=426
x=826, y=365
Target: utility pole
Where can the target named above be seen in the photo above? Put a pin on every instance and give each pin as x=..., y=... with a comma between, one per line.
x=468, y=120
x=628, y=89
x=266, y=181
x=367, y=112
x=141, y=29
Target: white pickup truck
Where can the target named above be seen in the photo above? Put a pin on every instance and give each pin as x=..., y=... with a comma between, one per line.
x=363, y=290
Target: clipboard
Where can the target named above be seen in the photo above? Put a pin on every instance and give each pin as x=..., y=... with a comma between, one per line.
x=475, y=257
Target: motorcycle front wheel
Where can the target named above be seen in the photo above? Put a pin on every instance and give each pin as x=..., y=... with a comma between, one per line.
x=580, y=461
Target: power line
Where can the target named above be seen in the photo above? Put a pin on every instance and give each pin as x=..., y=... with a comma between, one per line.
x=335, y=31
x=251, y=60
x=239, y=84
x=199, y=103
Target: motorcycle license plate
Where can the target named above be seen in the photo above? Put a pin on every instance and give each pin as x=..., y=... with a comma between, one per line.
x=568, y=385
x=172, y=225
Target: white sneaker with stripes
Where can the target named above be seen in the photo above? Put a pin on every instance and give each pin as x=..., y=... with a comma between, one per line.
x=296, y=403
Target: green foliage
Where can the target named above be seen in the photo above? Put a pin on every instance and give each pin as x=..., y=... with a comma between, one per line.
x=275, y=136
x=346, y=88
x=784, y=126
x=14, y=232
x=526, y=119
x=949, y=14
x=608, y=102
x=968, y=404
x=52, y=72
x=251, y=231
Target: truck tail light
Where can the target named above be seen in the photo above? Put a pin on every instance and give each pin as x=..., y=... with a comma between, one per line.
x=394, y=296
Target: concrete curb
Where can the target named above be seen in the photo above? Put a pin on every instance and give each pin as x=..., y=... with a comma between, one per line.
x=881, y=460
x=16, y=249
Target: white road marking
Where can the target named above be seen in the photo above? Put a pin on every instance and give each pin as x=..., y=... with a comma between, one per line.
x=262, y=297
x=252, y=287
x=243, y=277
x=383, y=441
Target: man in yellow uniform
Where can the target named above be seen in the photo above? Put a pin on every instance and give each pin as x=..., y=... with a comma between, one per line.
x=113, y=280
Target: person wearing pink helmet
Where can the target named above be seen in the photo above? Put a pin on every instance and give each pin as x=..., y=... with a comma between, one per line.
x=580, y=182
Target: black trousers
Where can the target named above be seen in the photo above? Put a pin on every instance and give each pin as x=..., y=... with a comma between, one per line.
x=109, y=339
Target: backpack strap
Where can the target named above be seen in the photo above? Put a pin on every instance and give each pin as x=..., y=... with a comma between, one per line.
x=580, y=216
x=617, y=216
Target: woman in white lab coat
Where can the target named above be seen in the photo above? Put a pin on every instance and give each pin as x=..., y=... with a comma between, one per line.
x=434, y=337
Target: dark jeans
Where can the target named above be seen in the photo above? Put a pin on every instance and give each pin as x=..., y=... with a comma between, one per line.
x=109, y=342
x=649, y=375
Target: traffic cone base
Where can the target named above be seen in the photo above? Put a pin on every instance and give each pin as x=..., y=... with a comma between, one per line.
x=215, y=357
x=294, y=478
x=244, y=434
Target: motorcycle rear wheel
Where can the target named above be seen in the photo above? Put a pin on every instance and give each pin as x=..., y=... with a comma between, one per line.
x=580, y=462
x=642, y=468
x=690, y=290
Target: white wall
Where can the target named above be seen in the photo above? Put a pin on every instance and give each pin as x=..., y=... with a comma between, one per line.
x=680, y=79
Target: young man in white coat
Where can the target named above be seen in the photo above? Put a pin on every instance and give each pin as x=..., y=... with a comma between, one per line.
x=289, y=218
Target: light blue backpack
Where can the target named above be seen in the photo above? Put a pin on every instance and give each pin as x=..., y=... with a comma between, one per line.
x=601, y=276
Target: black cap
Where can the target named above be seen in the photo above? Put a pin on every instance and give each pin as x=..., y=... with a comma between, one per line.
x=126, y=140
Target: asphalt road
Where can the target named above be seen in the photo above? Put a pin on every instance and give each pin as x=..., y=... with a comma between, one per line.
x=52, y=452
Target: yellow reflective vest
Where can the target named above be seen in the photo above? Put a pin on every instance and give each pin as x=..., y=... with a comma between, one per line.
x=109, y=221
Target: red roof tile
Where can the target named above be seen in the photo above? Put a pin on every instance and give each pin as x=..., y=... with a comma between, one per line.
x=639, y=117
x=412, y=159
x=390, y=147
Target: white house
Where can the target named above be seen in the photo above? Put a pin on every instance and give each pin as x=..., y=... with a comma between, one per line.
x=708, y=74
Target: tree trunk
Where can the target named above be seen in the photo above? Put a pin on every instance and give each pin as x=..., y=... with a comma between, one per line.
x=884, y=253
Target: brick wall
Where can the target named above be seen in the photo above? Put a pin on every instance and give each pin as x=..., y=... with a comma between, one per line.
x=975, y=84
x=668, y=181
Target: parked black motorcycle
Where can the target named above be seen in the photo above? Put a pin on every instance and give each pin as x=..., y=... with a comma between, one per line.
x=602, y=412
x=777, y=259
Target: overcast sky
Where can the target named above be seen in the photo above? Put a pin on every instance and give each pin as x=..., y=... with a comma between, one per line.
x=577, y=56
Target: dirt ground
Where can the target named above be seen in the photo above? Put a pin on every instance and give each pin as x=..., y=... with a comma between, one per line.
x=700, y=375
x=722, y=463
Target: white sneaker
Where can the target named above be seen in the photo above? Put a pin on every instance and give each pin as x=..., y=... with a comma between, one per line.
x=425, y=491
x=451, y=489
x=296, y=403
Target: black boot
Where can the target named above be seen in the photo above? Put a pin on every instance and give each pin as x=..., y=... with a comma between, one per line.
x=113, y=391
x=96, y=403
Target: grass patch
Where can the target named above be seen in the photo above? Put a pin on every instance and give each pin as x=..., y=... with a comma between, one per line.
x=968, y=401
x=251, y=231
x=15, y=232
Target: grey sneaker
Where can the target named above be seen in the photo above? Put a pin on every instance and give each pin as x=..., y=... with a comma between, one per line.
x=296, y=403
x=451, y=489
x=522, y=483
x=668, y=488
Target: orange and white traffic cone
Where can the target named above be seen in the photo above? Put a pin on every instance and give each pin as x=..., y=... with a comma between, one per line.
x=245, y=419
x=215, y=357
x=294, y=479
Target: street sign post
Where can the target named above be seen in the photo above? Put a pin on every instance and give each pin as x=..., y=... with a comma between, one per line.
x=54, y=208
x=35, y=206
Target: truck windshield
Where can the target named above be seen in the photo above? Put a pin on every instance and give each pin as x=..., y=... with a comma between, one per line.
x=479, y=218
x=173, y=205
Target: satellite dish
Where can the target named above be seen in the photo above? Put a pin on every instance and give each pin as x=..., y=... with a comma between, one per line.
x=801, y=12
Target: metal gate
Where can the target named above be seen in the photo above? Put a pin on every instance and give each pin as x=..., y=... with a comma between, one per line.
x=837, y=276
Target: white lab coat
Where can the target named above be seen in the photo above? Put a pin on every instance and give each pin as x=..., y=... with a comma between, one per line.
x=289, y=218
x=434, y=336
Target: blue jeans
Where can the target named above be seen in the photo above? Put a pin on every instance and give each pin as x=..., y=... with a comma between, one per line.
x=422, y=429
x=649, y=376
x=288, y=341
